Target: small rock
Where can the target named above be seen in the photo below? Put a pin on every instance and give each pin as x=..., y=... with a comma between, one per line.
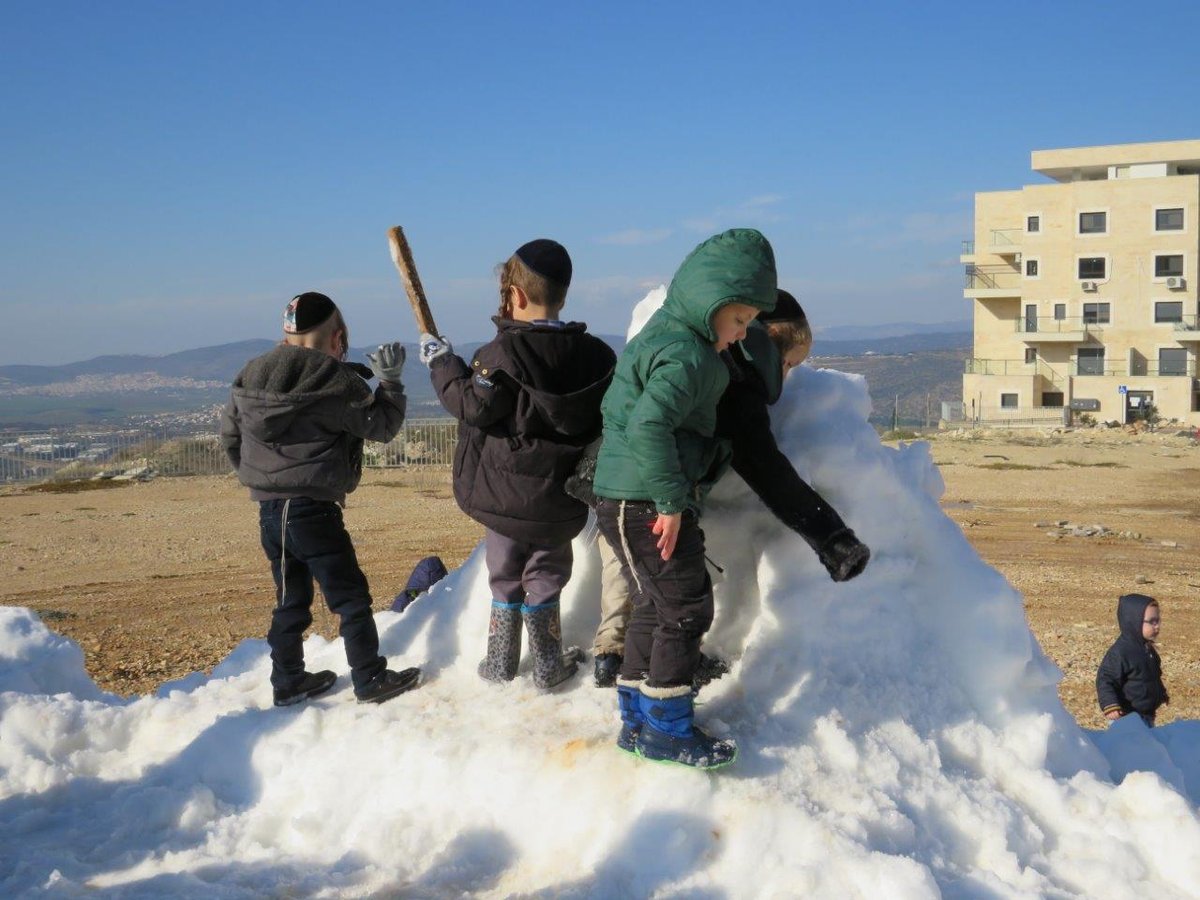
x=1169, y=543
x=1141, y=579
x=1042, y=525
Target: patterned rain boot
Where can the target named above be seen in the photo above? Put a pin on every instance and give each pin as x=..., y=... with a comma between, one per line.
x=668, y=734
x=504, y=643
x=551, y=664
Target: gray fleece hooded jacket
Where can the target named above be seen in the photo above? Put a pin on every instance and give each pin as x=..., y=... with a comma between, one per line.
x=296, y=421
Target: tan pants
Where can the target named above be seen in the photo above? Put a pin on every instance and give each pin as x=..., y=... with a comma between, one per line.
x=615, y=607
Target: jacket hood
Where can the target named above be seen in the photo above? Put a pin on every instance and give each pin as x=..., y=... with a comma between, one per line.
x=572, y=414
x=735, y=265
x=276, y=388
x=1131, y=609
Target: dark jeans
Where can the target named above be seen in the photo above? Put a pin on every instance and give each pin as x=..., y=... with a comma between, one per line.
x=305, y=539
x=672, y=600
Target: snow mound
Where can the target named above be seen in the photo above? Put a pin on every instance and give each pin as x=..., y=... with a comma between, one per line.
x=900, y=737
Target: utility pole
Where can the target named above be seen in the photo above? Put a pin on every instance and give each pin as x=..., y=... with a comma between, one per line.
x=896, y=413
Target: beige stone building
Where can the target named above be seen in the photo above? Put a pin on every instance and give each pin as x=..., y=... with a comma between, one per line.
x=1084, y=288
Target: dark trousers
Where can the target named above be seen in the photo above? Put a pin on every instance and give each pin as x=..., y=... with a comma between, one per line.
x=305, y=540
x=519, y=572
x=672, y=600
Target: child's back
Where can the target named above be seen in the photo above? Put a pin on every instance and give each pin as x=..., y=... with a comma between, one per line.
x=527, y=406
x=516, y=453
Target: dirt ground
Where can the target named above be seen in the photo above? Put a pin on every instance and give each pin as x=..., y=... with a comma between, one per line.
x=158, y=579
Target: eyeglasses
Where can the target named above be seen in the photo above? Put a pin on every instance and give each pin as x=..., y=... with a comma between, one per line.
x=1151, y=621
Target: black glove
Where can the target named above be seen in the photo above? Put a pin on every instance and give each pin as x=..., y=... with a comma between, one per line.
x=579, y=483
x=843, y=555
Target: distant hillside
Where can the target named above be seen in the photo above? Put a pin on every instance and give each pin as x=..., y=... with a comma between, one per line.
x=921, y=380
x=911, y=343
x=111, y=389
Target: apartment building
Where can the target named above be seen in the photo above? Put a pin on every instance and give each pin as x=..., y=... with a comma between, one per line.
x=1084, y=288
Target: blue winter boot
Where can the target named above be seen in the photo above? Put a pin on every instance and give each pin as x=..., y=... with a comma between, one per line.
x=629, y=704
x=668, y=735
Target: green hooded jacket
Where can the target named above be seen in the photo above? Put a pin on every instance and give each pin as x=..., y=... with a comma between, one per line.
x=660, y=413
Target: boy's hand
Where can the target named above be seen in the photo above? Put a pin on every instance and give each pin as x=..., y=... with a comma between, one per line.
x=387, y=361
x=433, y=347
x=1112, y=715
x=667, y=529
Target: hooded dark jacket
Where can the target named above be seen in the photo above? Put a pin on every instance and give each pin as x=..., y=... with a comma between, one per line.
x=1130, y=675
x=660, y=416
x=527, y=405
x=756, y=382
x=296, y=421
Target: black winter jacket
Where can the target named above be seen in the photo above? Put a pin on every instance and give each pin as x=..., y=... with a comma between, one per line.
x=1130, y=675
x=296, y=420
x=755, y=382
x=527, y=405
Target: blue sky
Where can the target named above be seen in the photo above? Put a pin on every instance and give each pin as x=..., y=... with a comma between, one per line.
x=173, y=173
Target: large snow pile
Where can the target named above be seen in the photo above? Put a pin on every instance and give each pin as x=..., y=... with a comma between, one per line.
x=900, y=737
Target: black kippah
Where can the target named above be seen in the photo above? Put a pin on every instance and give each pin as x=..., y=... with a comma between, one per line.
x=787, y=309
x=547, y=258
x=306, y=311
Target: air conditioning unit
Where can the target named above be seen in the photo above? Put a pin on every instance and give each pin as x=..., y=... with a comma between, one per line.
x=1176, y=282
x=1088, y=285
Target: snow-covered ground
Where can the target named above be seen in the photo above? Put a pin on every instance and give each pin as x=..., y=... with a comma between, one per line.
x=900, y=737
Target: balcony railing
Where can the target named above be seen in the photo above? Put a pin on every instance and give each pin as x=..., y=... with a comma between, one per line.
x=968, y=248
x=1138, y=369
x=1006, y=238
x=991, y=277
x=997, y=367
x=1013, y=367
x=1052, y=325
x=1188, y=323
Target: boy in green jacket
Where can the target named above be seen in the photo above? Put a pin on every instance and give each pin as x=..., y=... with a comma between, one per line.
x=660, y=454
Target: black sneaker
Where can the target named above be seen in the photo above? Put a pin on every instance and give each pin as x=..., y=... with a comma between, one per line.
x=389, y=684
x=313, y=684
x=608, y=667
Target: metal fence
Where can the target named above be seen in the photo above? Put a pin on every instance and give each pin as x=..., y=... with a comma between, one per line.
x=66, y=454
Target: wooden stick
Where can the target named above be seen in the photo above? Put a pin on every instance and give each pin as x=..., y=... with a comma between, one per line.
x=402, y=257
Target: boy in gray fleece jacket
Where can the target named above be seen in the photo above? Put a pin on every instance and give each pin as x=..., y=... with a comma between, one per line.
x=294, y=430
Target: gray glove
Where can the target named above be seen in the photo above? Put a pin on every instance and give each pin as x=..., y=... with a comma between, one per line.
x=433, y=347
x=387, y=361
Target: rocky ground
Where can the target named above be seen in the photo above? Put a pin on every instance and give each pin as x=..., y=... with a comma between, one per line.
x=161, y=578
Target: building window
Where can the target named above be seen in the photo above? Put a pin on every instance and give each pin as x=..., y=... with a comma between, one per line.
x=1168, y=311
x=1090, y=361
x=1172, y=361
x=1052, y=398
x=1033, y=224
x=1095, y=313
x=1060, y=311
x=1008, y=401
x=1093, y=267
x=1031, y=268
x=1031, y=354
x=1093, y=223
x=1166, y=266
x=1031, y=317
x=1168, y=219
